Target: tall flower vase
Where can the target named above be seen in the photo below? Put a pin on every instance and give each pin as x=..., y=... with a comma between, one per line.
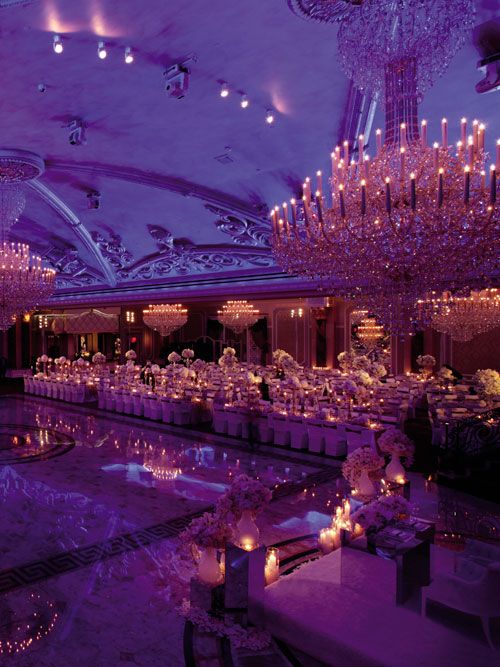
x=364, y=485
x=247, y=532
x=208, y=567
x=394, y=470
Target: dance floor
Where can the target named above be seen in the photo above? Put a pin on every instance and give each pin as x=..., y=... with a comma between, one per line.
x=91, y=506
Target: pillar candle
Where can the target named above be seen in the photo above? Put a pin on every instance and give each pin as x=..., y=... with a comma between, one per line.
x=333, y=157
x=483, y=180
x=466, y=184
x=402, y=134
x=444, y=133
x=423, y=128
x=413, y=191
x=363, y=197
x=481, y=136
x=388, y=194
x=497, y=166
x=463, y=131
x=378, y=135
x=475, y=131
x=346, y=152
x=470, y=149
x=319, y=183
x=493, y=184
x=293, y=206
x=319, y=206
x=440, y=186
x=341, y=200
x=402, y=154
x=366, y=173
x=436, y=154
x=285, y=212
x=361, y=145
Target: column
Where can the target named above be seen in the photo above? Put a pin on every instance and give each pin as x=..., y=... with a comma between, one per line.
x=19, y=342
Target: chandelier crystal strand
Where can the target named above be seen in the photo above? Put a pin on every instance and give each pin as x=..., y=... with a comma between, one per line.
x=165, y=318
x=238, y=315
x=376, y=35
x=12, y=201
x=462, y=317
x=24, y=282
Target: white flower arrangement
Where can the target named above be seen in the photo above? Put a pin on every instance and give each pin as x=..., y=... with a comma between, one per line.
x=174, y=358
x=253, y=379
x=345, y=360
x=377, y=514
x=199, y=365
x=99, y=358
x=228, y=358
x=378, y=370
x=445, y=374
x=208, y=531
x=130, y=354
x=363, y=378
x=187, y=353
x=44, y=358
x=426, y=360
x=394, y=441
x=349, y=387
x=361, y=362
x=362, y=458
x=245, y=493
x=155, y=369
x=488, y=382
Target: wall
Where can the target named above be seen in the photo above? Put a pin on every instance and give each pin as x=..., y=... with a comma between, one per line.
x=481, y=352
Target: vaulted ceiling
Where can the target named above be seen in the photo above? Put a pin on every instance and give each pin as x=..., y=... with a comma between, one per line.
x=184, y=184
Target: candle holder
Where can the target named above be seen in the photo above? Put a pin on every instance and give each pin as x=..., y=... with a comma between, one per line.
x=245, y=577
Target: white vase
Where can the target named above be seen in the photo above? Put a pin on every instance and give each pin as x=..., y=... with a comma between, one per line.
x=247, y=533
x=364, y=485
x=208, y=567
x=394, y=470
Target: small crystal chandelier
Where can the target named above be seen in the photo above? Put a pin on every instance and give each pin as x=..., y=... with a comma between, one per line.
x=165, y=318
x=462, y=317
x=24, y=282
x=238, y=315
x=358, y=315
x=369, y=332
x=416, y=217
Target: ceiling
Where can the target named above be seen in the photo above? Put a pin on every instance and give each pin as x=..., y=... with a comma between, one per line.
x=184, y=184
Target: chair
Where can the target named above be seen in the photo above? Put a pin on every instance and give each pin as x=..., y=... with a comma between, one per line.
x=474, y=590
x=298, y=433
x=316, y=435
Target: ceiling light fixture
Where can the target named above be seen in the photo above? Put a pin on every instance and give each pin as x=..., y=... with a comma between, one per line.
x=101, y=50
x=244, y=102
x=129, y=56
x=58, y=45
x=224, y=90
x=269, y=117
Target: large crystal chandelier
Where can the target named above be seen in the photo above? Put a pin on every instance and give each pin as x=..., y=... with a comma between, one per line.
x=165, y=318
x=416, y=217
x=24, y=282
x=462, y=317
x=369, y=332
x=238, y=315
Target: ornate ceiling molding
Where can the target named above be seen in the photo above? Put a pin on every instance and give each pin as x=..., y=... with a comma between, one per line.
x=256, y=212
x=75, y=223
x=178, y=256
x=243, y=231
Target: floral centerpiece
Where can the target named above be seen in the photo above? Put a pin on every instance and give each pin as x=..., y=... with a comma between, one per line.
x=378, y=370
x=488, y=383
x=130, y=355
x=360, y=362
x=245, y=498
x=398, y=445
x=228, y=359
x=357, y=468
x=445, y=375
x=376, y=514
x=187, y=354
x=174, y=358
x=345, y=360
x=426, y=363
x=99, y=358
x=208, y=532
x=284, y=363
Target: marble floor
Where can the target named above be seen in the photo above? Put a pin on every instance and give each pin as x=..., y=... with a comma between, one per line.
x=91, y=506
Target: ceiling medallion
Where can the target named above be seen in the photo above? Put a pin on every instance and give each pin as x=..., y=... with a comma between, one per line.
x=17, y=166
x=414, y=218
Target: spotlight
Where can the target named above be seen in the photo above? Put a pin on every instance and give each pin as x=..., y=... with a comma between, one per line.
x=224, y=90
x=269, y=117
x=129, y=56
x=244, y=102
x=101, y=50
x=58, y=45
